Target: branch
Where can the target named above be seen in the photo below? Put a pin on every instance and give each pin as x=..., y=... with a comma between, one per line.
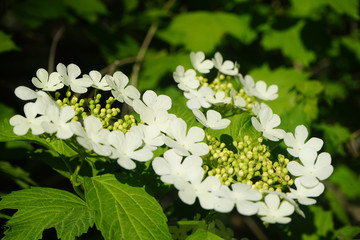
x=52, y=53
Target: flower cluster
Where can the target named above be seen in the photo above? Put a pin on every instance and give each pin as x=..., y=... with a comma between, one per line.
x=242, y=174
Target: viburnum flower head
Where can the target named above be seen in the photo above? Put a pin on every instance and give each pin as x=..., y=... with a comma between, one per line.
x=150, y=134
x=268, y=121
x=314, y=167
x=212, y=120
x=172, y=166
x=303, y=194
x=30, y=121
x=69, y=76
x=196, y=188
x=184, y=142
x=238, y=101
x=127, y=147
x=227, y=67
x=219, y=98
x=98, y=81
x=199, y=63
x=199, y=98
x=261, y=91
x=46, y=82
x=186, y=80
x=153, y=101
x=272, y=211
x=119, y=90
x=297, y=142
x=242, y=195
x=59, y=121
x=93, y=137
x=43, y=100
x=248, y=84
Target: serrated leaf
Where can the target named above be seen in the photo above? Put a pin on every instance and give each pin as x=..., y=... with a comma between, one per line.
x=347, y=180
x=6, y=44
x=202, y=234
x=124, y=211
x=202, y=31
x=323, y=220
x=310, y=88
x=289, y=42
x=44, y=208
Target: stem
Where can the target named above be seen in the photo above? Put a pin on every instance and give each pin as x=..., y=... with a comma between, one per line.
x=54, y=43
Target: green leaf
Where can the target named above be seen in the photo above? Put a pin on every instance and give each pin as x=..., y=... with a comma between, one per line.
x=6, y=44
x=17, y=174
x=311, y=8
x=336, y=207
x=335, y=136
x=202, y=31
x=124, y=211
x=348, y=232
x=87, y=9
x=347, y=180
x=202, y=234
x=289, y=42
x=157, y=65
x=44, y=208
x=310, y=88
x=323, y=222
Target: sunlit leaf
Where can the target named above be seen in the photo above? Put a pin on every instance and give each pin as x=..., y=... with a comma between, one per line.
x=335, y=136
x=123, y=211
x=289, y=42
x=202, y=234
x=44, y=208
x=347, y=180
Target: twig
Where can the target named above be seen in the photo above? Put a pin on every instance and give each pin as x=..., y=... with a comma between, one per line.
x=110, y=69
x=54, y=43
x=255, y=228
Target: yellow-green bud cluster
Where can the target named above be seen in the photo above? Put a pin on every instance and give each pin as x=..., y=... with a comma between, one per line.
x=125, y=124
x=248, y=162
x=92, y=106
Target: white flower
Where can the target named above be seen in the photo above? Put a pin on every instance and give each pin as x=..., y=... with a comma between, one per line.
x=237, y=101
x=219, y=98
x=199, y=98
x=248, y=84
x=227, y=67
x=186, y=80
x=127, y=148
x=204, y=190
x=303, y=193
x=256, y=107
x=93, y=137
x=199, y=63
x=58, y=121
x=297, y=143
x=97, y=80
x=69, y=76
x=30, y=121
x=46, y=82
x=118, y=83
x=184, y=144
x=268, y=121
x=261, y=92
x=311, y=172
x=171, y=167
x=212, y=120
x=242, y=195
x=151, y=136
x=274, y=212
x=42, y=98
x=152, y=101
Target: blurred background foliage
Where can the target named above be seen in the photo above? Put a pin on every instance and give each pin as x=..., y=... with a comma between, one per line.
x=310, y=49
